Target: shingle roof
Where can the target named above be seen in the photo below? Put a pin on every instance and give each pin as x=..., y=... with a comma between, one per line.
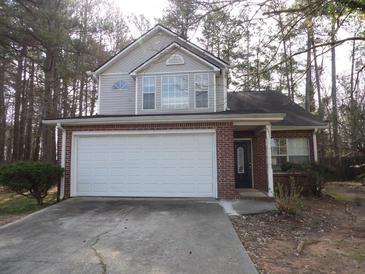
x=272, y=102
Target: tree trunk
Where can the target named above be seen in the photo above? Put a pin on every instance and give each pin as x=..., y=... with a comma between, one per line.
x=308, y=80
x=17, y=105
x=48, y=137
x=29, y=118
x=334, y=91
x=2, y=111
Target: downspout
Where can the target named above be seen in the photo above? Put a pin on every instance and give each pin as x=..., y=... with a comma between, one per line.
x=63, y=159
x=315, y=148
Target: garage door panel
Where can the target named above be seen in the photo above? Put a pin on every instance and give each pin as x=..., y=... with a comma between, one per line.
x=170, y=165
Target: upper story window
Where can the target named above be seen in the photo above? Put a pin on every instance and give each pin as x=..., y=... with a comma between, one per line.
x=201, y=90
x=174, y=92
x=149, y=92
x=120, y=84
x=175, y=59
x=294, y=150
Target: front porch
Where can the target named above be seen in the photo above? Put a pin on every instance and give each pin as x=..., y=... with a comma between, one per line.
x=252, y=160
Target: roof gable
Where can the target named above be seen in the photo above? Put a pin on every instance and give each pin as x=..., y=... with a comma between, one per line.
x=159, y=28
x=178, y=50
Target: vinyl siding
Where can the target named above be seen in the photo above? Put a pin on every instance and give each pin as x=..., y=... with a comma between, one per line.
x=140, y=54
x=220, y=84
x=122, y=102
x=191, y=107
x=190, y=64
x=113, y=101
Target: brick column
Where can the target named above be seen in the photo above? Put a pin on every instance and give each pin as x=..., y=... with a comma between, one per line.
x=225, y=163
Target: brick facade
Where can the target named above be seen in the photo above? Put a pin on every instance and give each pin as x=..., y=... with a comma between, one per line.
x=259, y=155
x=225, y=150
x=225, y=136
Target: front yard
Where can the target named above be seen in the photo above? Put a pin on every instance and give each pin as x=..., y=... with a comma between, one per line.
x=14, y=206
x=327, y=236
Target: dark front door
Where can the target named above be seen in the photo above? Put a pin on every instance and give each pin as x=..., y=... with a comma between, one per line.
x=243, y=165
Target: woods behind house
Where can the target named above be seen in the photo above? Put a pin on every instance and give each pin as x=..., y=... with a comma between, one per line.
x=47, y=47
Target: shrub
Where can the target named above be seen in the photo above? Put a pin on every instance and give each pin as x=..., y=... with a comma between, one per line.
x=30, y=178
x=288, y=197
x=361, y=179
x=317, y=174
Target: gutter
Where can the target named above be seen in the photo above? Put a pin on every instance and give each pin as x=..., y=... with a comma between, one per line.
x=267, y=117
x=278, y=128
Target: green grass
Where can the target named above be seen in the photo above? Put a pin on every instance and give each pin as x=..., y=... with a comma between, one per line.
x=359, y=255
x=347, y=198
x=11, y=203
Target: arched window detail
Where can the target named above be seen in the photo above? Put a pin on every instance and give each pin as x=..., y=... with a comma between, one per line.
x=175, y=59
x=120, y=84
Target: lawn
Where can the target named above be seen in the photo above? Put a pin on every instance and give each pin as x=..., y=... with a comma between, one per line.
x=14, y=206
x=327, y=236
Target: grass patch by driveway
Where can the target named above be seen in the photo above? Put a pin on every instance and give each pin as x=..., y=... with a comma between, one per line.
x=14, y=206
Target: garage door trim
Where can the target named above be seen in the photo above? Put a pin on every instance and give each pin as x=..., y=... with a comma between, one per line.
x=77, y=134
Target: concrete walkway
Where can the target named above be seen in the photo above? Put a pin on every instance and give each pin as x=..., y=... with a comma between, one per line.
x=247, y=206
x=84, y=235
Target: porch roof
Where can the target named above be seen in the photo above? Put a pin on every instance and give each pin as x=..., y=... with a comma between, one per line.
x=273, y=102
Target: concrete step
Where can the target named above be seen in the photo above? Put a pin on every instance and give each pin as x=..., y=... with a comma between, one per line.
x=254, y=194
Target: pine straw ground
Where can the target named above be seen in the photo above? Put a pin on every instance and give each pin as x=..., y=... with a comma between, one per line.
x=327, y=236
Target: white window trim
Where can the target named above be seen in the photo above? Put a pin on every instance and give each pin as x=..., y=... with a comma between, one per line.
x=169, y=108
x=121, y=89
x=287, y=155
x=207, y=107
x=155, y=78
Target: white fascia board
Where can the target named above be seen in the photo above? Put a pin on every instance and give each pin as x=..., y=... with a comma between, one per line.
x=249, y=118
x=174, y=45
x=278, y=128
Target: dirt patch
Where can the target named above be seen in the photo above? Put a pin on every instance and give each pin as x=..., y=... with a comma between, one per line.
x=327, y=236
x=10, y=218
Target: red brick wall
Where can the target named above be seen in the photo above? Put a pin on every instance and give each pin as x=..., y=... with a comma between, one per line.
x=225, y=150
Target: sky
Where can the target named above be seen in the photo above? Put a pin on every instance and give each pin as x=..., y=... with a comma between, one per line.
x=152, y=9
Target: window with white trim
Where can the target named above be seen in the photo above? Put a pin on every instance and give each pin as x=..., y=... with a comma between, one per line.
x=120, y=84
x=201, y=83
x=294, y=150
x=174, y=92
x=149, y=92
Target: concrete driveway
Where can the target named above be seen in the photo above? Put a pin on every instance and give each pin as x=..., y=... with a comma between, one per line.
x=109, y=235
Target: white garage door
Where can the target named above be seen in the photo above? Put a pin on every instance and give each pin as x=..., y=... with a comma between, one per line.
x=145, y=165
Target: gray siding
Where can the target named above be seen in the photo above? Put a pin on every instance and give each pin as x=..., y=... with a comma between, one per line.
x=191, y=107
x=122, y=102
x=113, y=101
x=190, y=64
x=220, y=85
x=138, y=55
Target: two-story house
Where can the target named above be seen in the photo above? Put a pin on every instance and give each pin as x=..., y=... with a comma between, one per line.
x=166, y=127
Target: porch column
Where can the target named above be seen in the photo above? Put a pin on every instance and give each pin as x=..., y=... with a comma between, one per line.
x=270, y=179
x=315, y=148
x=62, y=157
